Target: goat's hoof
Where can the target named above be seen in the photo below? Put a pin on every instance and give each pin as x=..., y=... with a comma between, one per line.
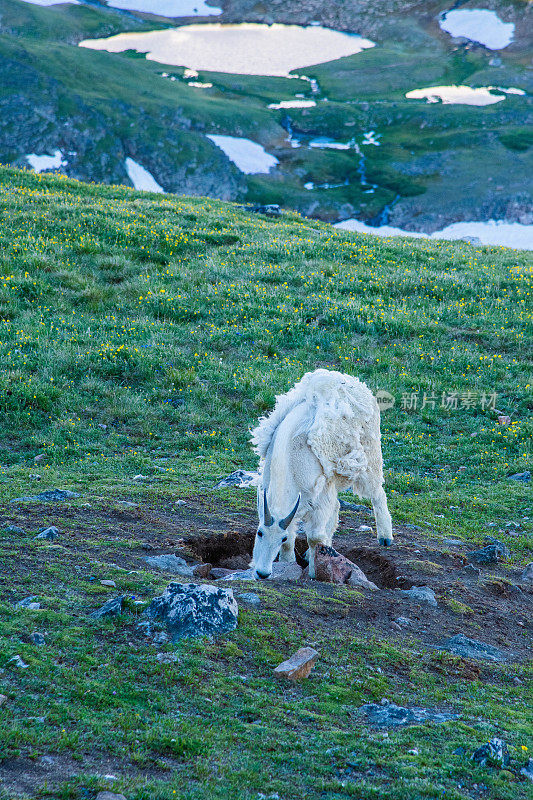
x=384, y=542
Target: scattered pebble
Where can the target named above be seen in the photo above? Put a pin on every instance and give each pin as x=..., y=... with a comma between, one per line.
x=486, y=555
x=299, y=665
x=362, y=528
x=18, y=662
x=161, y=637
x=405, y=621
x=140, y=477
x=37, y=638
x=39, y=458
x=422, y=594
x=108, y=583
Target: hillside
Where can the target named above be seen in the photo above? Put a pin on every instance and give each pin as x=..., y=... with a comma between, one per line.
x=141, y=336
x=427, y=166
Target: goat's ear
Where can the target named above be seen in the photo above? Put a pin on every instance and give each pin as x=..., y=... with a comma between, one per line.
x=284, y=523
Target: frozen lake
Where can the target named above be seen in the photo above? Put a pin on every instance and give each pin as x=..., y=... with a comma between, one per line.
x=141, y=178
x=503, y=234
x=168, y=8
x=462, y=95
x=248, y=156
x=247, y=49
x=478, y=25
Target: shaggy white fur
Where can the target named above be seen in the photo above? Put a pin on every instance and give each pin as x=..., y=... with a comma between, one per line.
x=322, y=437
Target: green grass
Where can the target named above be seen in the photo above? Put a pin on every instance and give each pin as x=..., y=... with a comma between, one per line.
x=115, y=307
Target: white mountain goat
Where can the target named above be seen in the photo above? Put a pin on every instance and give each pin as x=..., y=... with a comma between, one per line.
x=322, y=437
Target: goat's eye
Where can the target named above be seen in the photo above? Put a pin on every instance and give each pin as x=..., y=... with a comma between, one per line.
x=284, y=538
x=260, y=533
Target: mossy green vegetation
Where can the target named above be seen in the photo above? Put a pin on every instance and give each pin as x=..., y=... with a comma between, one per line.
x=144, y=334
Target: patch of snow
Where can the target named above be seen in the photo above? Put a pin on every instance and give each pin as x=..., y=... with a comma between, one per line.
x=247, y=49
x=309, y=186
x=168, y=8
x=43, y=163
x=198, y=85
x=478, y=25
x=293, y=104
x=370, y=138
x=189, y=73
x=141, y=178
x=248, y=156
x=51, y=2
x=322, y=142
x=492, y=232
x=462, y=95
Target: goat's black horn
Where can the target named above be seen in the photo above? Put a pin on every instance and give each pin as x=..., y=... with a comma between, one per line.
x=284, y=523
x=267, y=517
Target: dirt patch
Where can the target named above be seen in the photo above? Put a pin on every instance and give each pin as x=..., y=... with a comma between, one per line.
x=231, y=550
x=377, y=568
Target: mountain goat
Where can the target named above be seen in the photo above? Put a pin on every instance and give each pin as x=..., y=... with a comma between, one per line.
x=322, y=437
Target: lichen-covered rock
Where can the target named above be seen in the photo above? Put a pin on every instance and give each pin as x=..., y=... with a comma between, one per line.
x=389, y=715
x=168, y=562
x=494, y=752
x=109, y=609
x=421, y=594
x=48, y=496
x=50, y=533
x=190, y=609
x=490, y=554
x=461, y=645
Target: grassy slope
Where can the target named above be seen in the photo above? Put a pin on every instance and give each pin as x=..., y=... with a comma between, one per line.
x=114, y=303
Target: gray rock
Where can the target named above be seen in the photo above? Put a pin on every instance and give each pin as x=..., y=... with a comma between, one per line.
x=13, y=529
x=170, y=563
x=49, y=496
x=422, y=594
x=527, y=771
x=27, y=601
x=241, y=575
x=241, y=478
x=109, y=796
x=48, y=533
x=249, y=599
x=405, y=621
x=195, y=610
x=271, y=210
x=167, y=658
x=521, y=476
x=109, y=609
x=494, y=752
x=461, y=645
x=346, y=506
x=527, y=574
x=389, y=715
x=285, y=571
x=37, y=638
x=503, y=549
x=144, y=626
x=161, y=637
x=452, y=542
x=472, y=571
x=486, y=555
x=18, y=662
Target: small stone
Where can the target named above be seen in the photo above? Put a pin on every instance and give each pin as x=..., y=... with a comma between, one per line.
x=217, y=573
x=461, y=645
x=3, y=699
x=359, y=580
x=108, y=583
x=125, y=504
x=201, y=570
x=363, y=528
x=249, y=599
x=395, y=626
x=404, y=621
x=472, y=571
x=34, y=476
x=167, y=658
x=161, y=637
x=139, y=477
x=527, y=574
x=18, y=662
x=102, y=426
x=526, y=771
x=170, y=563
x=33, y=606
x=299, y=665
x=346, y=506
x=495, y=752
x=109, y=609
x=109, y=796
x=521, y=476
x=422, y=594
x=13, y=529
x=191, y=609
x=38, y=459
x=145, y=626
x=285, y=571
x=270, y=210
x=504, y=551
x=51, y=533
x=452, y=542
x=241, y=575
x=504, y=420
x=26, y=601
x=37, y=638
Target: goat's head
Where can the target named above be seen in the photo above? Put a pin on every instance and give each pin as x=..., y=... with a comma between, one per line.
x=271, y=535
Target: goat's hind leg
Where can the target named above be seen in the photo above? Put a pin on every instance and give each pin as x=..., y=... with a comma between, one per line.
x=382, y=517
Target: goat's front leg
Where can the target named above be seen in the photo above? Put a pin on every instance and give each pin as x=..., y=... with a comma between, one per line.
x=383, y=518
x=319, y=529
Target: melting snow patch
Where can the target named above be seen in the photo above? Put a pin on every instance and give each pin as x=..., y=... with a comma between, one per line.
x=168, y=8
x=462, y=95
x=198, y=85
x=141, y=178
x=329, y=144
x=478, y=25
x=293, y=104
x=503, y=234
x=43, y=163
x=51, y=2
x=371, y=138
x=246, y=49
x=248, y=156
